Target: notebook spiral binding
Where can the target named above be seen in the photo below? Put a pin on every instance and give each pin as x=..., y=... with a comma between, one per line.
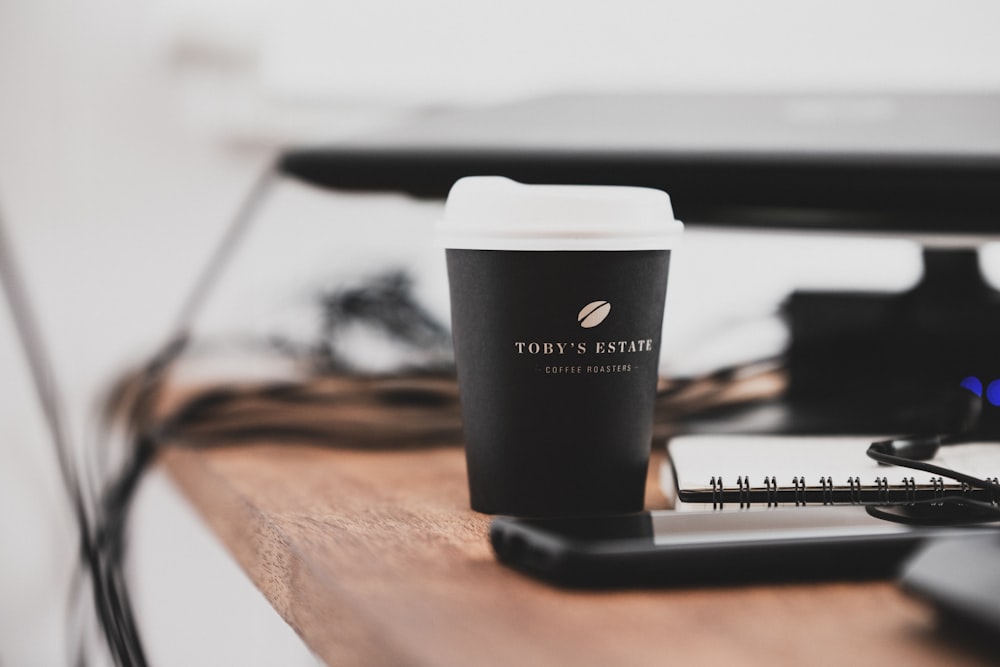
x=938, y=490
x=730, y=472
x=826, y=488
x=854, y=485
x=826, y=492
x=744, y=490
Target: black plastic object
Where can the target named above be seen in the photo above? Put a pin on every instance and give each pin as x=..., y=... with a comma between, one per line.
x=881, y=362
x=769, y=191
x=962, y=579
x=721, y=547
x=902, y=162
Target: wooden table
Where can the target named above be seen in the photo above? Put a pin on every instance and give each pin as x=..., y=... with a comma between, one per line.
x=374, y=558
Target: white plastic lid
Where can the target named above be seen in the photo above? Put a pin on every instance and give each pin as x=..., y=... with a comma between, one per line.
x=496, y=213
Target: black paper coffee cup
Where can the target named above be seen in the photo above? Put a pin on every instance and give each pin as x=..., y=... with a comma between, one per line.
x=557, y=297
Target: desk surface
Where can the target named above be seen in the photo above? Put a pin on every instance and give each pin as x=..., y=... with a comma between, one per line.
x=375, y=558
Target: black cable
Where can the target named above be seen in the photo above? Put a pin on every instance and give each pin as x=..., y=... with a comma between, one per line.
x=224, y=250
x=915, y=452
x=47, y=391
x=111, y=588
x=102, y=523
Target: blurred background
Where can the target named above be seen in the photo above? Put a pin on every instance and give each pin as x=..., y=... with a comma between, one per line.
x=129, y=131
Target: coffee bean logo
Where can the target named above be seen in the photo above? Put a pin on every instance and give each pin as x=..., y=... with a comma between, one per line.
x=593, y=314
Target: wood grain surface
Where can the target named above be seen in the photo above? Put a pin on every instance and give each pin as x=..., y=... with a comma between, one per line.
x=375, y=559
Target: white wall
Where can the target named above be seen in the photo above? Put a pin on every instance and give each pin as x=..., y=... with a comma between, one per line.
x=450, y=49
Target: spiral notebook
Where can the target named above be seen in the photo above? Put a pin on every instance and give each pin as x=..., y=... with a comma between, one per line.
x=723, y=471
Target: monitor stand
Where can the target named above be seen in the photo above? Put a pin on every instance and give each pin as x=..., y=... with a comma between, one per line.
x=880, y=363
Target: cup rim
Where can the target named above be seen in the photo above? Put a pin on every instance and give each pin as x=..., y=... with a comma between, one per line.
x=497, y=213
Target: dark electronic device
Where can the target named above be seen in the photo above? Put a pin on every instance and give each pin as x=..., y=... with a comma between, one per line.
x=868, y=162
x=962, y=580
x=689, y=548
x=923, y=165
